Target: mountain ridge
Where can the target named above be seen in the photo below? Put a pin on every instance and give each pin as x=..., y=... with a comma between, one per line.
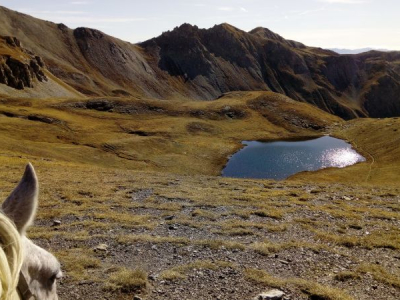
x=203, y=64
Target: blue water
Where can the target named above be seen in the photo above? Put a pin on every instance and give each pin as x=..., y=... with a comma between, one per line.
x=279, y=160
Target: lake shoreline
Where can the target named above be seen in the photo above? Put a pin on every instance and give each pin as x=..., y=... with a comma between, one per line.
x=280, y=159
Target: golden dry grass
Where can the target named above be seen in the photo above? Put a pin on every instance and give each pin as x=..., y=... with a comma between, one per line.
x=127, y=281
x=106, y=183
x=186, y=137
x=314, y=290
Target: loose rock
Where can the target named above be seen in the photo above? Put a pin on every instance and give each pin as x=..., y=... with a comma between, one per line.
x=101, y=247
x=270, y=295
x=56, y=223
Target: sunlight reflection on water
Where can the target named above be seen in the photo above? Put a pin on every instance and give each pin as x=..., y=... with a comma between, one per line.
x=339, y=158
x=280, y=159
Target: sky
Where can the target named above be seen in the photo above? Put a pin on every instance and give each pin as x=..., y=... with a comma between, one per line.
x=349, y=24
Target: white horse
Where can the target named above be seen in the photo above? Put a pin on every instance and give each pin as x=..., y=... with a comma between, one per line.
x=27, y=271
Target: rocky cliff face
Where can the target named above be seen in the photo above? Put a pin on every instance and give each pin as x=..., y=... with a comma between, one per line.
x=19, y=68
x=224, y=58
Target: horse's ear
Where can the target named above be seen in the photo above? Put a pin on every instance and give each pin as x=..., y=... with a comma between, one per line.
x=21, y=205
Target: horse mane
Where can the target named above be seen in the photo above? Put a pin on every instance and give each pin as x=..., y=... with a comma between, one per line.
x=10, y=259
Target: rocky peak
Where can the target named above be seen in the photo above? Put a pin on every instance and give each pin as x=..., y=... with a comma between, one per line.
x=227, y=33
x=89, y=33
x=184, y=31
x=62, y=27
x=225, y=27
x=186, y=27
x=266, y=33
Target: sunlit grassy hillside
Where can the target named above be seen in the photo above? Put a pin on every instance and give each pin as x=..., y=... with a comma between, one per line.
x=130, y=181
x=187, y=137
x=171, y=136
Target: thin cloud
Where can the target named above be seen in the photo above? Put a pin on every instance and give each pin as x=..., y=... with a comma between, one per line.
x=344, y=1
x=56, y=12
x=113, y=20
x=231, y=8
x=79, y=17
x=94, y=20
x=80, y=2
x=226, y=8
x=307, y=12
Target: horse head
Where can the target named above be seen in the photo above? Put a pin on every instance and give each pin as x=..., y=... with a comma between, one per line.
x=40, y=269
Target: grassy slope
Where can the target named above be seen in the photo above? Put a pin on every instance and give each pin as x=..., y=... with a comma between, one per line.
x=91, y=164
x=179, y=137
x=190, y=137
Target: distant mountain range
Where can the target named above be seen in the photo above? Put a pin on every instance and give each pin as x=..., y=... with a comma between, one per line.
x=356, y=51
x=192, y=63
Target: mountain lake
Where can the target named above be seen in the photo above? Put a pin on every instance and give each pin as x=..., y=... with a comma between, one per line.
x=280, y=159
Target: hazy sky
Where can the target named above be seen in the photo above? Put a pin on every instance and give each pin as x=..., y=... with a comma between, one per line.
x=323, y=23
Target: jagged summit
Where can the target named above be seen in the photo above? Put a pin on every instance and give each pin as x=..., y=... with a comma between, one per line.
x=266, y=33
x=187, y=29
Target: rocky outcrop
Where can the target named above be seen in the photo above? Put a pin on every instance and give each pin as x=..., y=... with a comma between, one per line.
x=12, y=41
x=21, y=72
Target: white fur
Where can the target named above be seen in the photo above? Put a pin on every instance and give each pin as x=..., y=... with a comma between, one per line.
x=40, y=268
